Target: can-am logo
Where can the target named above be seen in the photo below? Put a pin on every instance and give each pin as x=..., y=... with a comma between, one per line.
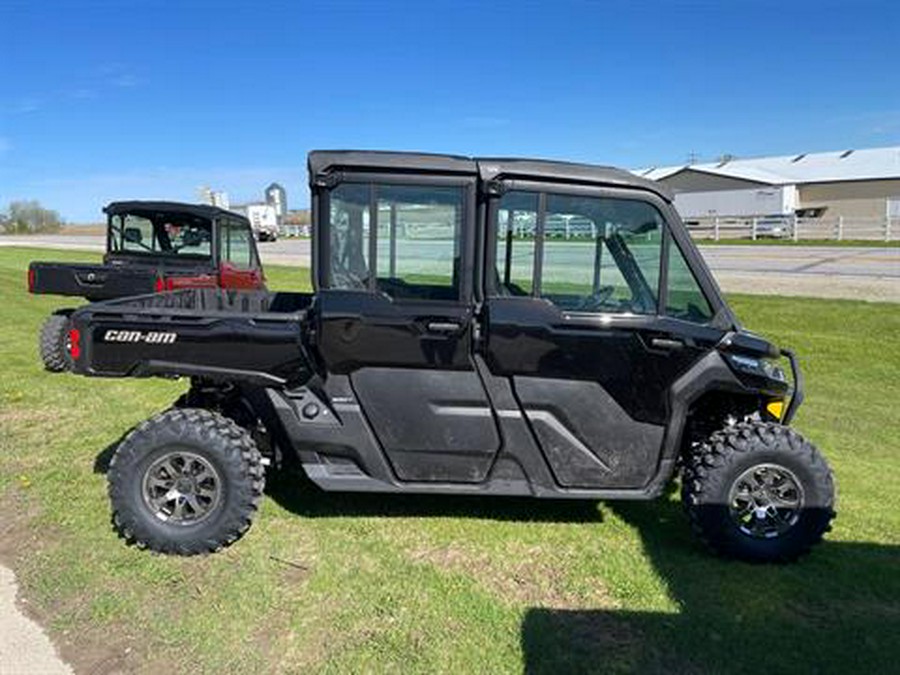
x=149, y=337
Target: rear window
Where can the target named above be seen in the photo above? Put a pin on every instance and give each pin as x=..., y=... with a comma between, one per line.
x=167, y=234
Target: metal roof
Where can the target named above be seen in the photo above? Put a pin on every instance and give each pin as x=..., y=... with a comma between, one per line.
x=818, y=167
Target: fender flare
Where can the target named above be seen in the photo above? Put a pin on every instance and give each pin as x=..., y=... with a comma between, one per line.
x=710, y=373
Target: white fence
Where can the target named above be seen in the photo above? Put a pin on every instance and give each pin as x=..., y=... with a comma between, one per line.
x=790, y=227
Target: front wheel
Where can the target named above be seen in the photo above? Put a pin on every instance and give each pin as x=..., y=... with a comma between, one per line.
x=758, y=492
x=187, y=481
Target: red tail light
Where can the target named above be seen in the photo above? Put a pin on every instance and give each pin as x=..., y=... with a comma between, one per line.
x=74, y=343
x=31, y=278
x=160, y=285
x=170, y=284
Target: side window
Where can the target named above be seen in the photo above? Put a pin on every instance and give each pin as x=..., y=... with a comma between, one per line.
x=597, y=254
x=516, y=223
x=236, y=246
x=417, y=239
x=684, y=298
x=600, y=254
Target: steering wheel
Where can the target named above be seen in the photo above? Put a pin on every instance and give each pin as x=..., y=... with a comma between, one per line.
x=595, y=300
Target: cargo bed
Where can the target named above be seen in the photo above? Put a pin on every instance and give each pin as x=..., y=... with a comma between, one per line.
x=94, y=282
x=251, y=336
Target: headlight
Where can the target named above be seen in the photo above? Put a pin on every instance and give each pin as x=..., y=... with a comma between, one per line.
x=754, y=366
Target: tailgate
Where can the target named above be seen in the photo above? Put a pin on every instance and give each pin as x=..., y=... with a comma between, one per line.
x=96, y=282
x=175, y=334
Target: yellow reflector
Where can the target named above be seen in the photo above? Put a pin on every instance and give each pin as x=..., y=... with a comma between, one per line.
x=775, y=408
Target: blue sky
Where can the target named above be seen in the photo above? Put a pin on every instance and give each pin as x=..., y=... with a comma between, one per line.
x=141, y=99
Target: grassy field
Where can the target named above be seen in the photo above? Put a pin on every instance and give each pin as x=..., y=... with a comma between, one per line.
x=350, y=583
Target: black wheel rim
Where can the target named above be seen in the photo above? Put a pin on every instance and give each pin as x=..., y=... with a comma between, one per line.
x=766, y=501
x=181, y=488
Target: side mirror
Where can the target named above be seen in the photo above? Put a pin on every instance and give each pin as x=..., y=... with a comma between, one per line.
x=133, y=235
x=648, y=226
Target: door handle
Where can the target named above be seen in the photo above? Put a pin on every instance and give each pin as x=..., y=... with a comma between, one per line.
x=666, y=343
x=442, y=327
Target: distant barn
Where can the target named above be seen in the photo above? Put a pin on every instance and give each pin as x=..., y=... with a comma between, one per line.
x=851, y=184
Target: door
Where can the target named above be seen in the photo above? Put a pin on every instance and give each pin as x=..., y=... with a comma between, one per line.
x=592, y=313
x=238, y=259
x=394, y=310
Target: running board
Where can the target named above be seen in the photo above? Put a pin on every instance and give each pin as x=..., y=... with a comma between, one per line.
x=340, y=478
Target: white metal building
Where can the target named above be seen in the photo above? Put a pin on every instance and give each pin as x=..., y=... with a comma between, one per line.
x=855, y=184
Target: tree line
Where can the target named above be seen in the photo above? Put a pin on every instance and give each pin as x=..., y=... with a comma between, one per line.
x=29, y=217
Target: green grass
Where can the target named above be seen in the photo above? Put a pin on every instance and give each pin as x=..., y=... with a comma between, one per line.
x=349, y=583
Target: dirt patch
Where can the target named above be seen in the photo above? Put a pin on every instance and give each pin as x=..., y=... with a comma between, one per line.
x=102, y=659
x=293, y=572
x=524, y=577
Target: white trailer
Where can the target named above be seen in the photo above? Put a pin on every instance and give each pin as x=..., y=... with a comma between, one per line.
x=264, y=221
x=780, y=199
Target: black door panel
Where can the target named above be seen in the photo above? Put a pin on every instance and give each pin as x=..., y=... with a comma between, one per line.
x=594, y=387
x=359, y=329
x=531, y=337
x=588, y=439
x=434, y=425
x=394, y=311
x=410, y=364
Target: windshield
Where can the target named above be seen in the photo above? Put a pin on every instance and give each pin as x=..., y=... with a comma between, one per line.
x=160, y=233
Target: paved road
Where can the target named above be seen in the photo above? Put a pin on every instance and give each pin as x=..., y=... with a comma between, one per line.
x=814, y=271
x=870, y=273
x=24, y=648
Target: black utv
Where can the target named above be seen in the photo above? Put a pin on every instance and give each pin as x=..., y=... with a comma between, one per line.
x=478, y=326
x=150, y=247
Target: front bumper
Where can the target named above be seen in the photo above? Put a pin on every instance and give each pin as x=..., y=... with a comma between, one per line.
x=797, y=394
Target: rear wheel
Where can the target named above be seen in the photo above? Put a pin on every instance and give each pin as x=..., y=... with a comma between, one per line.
x=759, y=492
x=53, y=343
x=187, y=481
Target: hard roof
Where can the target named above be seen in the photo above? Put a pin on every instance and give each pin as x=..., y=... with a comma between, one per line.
x=818, y=167
x=201, y=210
x=565, y=172
x=321, y=162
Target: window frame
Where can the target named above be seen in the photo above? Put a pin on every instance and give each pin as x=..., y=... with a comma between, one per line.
x=224, y=225
x=695, y=263
x=466, y=244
